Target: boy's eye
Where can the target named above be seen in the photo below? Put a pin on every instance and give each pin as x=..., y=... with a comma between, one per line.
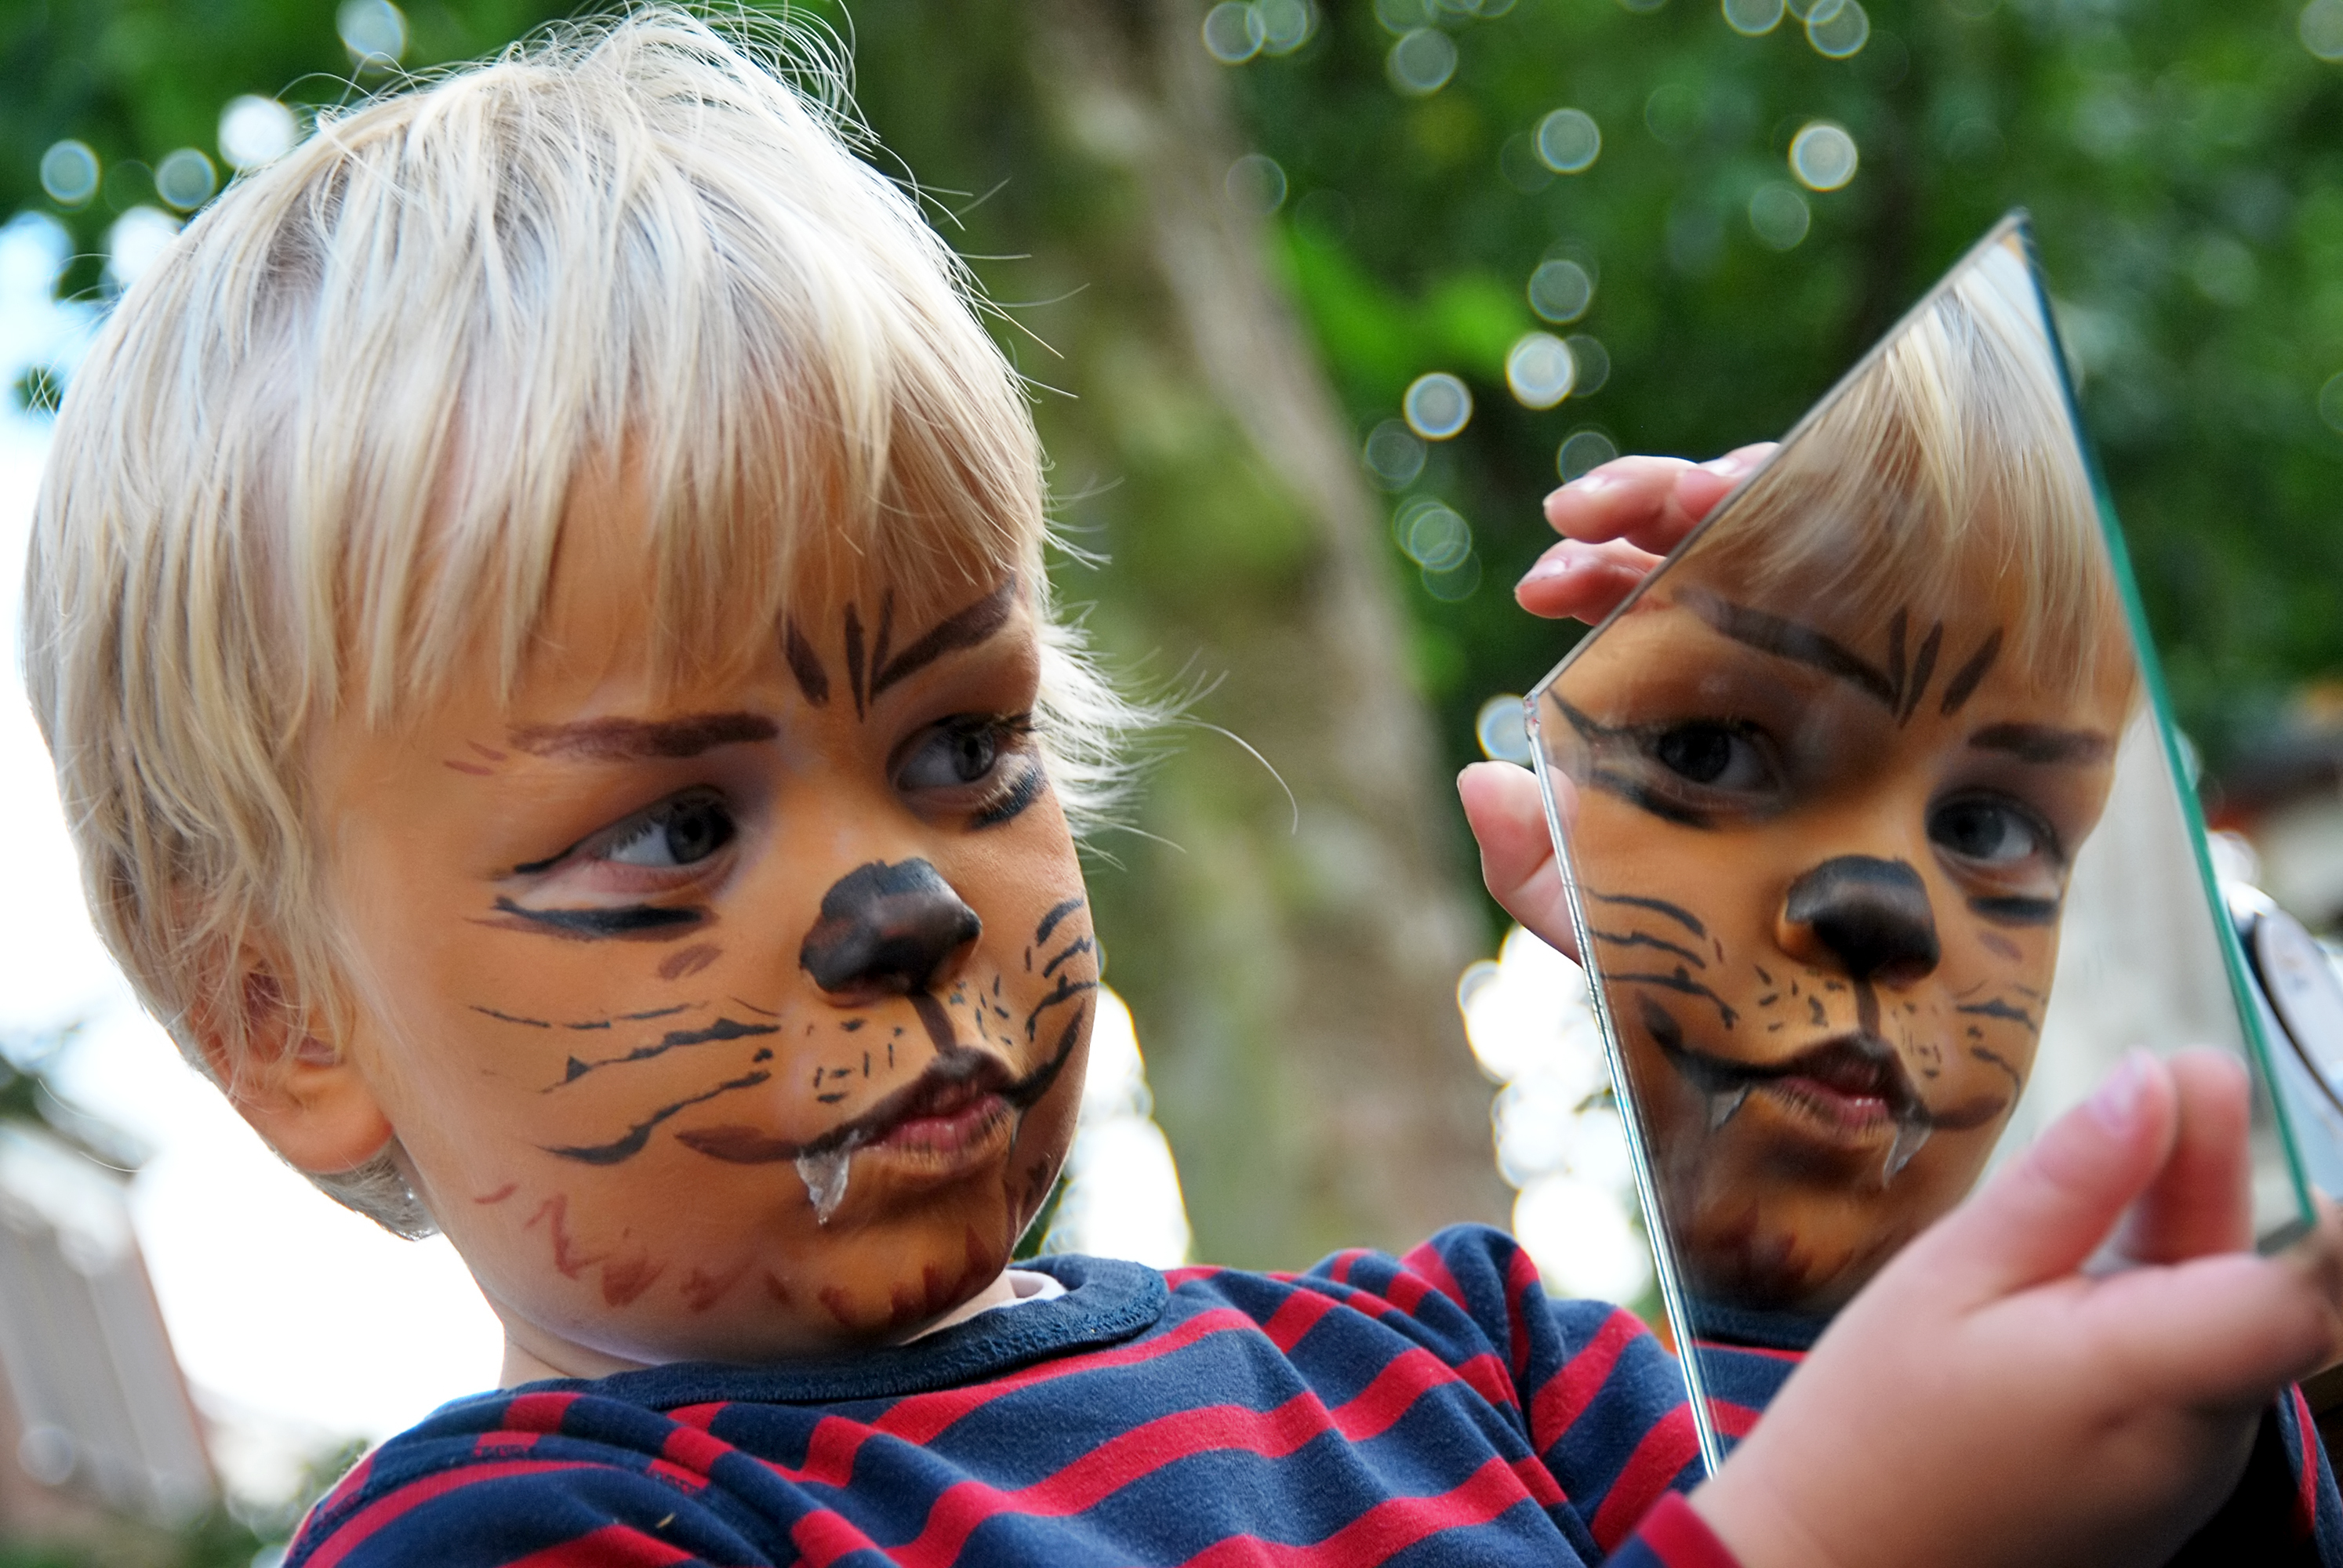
x=1991, y=832
x=1717, y=756
x=953, y=755
x=675, y=833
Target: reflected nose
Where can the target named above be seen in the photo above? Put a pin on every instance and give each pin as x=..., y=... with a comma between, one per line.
x=1871, y=918
x=887, y=930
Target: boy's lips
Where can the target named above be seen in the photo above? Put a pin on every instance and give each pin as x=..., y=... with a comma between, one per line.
x=956, y=1094
x=1855, y=1082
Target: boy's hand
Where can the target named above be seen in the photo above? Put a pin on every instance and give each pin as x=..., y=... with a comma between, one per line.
x=1617, y=521
x=1985, y=1402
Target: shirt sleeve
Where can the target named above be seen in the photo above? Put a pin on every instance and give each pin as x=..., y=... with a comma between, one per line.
x=2284, y=1511
x=1672, y=1536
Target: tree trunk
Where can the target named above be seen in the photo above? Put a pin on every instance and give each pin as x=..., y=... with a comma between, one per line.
x=1292, y=981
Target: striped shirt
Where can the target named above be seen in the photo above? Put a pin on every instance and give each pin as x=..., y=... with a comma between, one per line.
x=1433, y=1408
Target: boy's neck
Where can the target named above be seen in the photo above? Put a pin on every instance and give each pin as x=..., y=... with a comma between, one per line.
x=531, y=1357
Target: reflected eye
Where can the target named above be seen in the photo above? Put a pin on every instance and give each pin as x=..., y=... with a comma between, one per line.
x=1991, y=832
x=1717, y=755
x=675, y=833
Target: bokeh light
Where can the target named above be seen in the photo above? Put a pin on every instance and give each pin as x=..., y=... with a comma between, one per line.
x=1437, y=405
x=185, y=179
x=1675, y=113
x=2320, y=28
x=1432, y=534
x=1823, y=156
x=1557, y=1137
x=1503, y=731
x=373, y=32
x=1779, y=215
x=1234, y=33
x=1452, y=585
x=137, y=240
x=1593, y=362
x=1838, y=28
x=1753, y=19
x=69, y=172
x=1539, y=370
x=1561, y=289
x=1394, y=453
x=1122, y=1196
x=1569, y=141
x=1583, y=451
x=1285, y=24
x=1255, y=183
x=254, y=130
x=1421, y=62
x=2330, y=402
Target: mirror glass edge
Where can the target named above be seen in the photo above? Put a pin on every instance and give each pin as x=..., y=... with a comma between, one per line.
x=1673, y=1297
x=2243, y=998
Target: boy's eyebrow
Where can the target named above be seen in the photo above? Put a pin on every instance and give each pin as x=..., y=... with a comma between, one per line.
x=2044, y=743
x=631, y=740
x=1790, y=639
x=963, y=628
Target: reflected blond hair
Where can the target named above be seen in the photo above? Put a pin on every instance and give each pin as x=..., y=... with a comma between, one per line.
x=1953, y=449
x=318, y=458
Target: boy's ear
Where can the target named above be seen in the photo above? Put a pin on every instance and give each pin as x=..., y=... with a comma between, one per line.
x=297, y=1090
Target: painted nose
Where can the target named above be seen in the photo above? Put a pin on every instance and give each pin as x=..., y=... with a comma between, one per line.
x=1871, y=917
x=887, y=930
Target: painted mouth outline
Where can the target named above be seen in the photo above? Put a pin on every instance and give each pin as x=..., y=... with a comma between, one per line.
x=959, y=1077
x=1854, y=1063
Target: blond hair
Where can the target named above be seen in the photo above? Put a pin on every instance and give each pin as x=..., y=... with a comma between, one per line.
x=319, y=456
x=1953, y=448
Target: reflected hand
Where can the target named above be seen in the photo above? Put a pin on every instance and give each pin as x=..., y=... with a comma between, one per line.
x=1617, y=521
x=1983, y=1401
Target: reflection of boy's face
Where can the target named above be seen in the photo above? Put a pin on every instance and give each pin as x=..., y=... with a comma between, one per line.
x=646, y=979
x=1823, y=865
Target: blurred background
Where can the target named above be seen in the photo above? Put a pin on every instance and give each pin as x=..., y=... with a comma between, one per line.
x=1317, y=301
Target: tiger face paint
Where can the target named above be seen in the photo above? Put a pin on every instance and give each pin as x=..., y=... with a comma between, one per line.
x=729, y=1017
x=1822, y=858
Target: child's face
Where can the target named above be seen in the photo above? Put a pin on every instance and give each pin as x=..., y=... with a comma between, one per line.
x=737, y=1021
x=1822, y=864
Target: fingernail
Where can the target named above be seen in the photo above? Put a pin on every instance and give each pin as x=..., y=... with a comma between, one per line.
x=1587, y=484
x=1729, y=466
x=1555, y=564
x=2116, y=1102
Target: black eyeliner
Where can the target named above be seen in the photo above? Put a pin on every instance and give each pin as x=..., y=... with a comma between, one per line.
x=626, y=920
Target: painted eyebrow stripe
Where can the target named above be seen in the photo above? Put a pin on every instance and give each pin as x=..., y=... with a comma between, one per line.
x=1965, y=680
x=723, y=1028
x=1789, y=640
x=631, y=740
x=2044, y=743
x=964, y=628
x=805, y=664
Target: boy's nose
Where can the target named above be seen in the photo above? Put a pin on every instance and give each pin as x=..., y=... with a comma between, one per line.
x=1870, y=917
x=886, y=930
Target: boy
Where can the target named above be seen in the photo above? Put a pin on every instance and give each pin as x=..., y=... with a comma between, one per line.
x=538, y=608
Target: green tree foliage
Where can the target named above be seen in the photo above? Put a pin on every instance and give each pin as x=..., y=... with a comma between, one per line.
x=2181, y=163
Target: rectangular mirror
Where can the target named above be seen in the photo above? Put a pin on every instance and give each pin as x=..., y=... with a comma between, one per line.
x=1876, y=836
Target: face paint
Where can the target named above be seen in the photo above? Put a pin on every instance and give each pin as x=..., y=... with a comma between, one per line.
x=818, y=1128
x=1815, y=855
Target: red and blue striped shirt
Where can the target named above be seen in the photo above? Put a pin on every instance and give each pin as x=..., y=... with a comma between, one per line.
x=1431, y=1410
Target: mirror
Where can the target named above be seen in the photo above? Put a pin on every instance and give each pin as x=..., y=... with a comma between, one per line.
x=1873, y=822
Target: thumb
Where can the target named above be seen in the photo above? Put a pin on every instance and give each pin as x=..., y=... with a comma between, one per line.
x=2045, y=1214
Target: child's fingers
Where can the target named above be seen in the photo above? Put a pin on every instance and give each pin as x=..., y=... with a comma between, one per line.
x=2224, y=1332
x=2043, y=1216
x=1617, y=521
x=1517, y=862
x=2201, y=1201
x=1583, y=581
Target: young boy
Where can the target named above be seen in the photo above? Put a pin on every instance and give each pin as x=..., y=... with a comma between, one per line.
x=538, y=608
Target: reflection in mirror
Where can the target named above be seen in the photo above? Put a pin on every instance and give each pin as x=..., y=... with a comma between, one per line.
x=1875, y=847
